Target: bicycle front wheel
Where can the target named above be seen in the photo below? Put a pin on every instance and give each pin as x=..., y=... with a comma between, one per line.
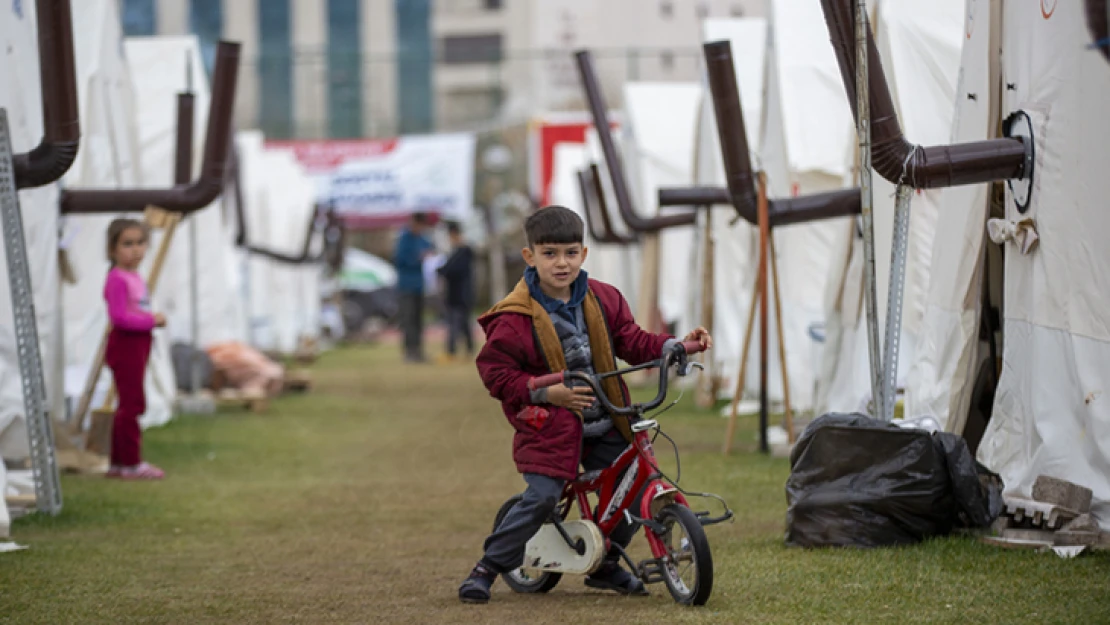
x=688, y=571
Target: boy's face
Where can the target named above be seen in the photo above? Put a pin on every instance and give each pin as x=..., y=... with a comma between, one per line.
x=557, y=264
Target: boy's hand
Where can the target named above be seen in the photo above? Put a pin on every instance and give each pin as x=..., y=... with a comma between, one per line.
x=159, y=320
x=577, y=398
x=700, y=335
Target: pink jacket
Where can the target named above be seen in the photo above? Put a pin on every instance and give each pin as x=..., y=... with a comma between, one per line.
x=128, y=302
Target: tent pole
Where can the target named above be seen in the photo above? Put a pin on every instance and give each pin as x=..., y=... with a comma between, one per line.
x=738, y=392
x=788, y=413
x=863, y=105
x=764, y=240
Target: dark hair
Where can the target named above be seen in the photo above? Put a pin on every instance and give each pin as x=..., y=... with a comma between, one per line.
x=116, y=230
x=554, y=224
x=453, y=227
x=420, y=218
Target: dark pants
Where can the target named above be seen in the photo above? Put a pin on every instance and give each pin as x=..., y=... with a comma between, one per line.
x=504, y=549
x=458, y=322
x=411, y=316
x=127, y=354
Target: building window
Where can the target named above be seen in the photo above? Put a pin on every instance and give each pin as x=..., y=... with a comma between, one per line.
x=460, y=49
x=737, y=11
x=275, y=69
x=493, y=5
x=206, y=20
x=414, y=65
x=138, y=18
x=344, y=69
x=463, y=109
x=666, y=9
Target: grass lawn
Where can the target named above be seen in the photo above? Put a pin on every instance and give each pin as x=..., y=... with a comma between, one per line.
x=367, y=500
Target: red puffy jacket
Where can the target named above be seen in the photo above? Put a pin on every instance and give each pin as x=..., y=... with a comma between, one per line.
x=513, y=354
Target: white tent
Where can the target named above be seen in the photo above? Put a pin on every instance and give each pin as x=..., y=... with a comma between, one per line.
x=284, y=301
x=1050, y=412
x=110, y=156
x=735, y=242
x=20, y=96
x=807, y=130
x=920, y=47
x=658, y=139
x=158, y=68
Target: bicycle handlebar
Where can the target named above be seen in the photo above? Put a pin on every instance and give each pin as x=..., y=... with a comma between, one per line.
x=678, y=352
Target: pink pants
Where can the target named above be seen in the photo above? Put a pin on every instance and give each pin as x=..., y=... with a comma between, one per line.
x=127, y=354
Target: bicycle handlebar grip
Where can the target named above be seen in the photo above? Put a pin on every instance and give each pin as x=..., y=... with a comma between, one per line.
x=545, y=381
x=692, y=347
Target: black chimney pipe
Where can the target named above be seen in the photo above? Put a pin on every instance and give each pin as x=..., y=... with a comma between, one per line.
x=188, y=197
x=898, y=160
x=593, y=198
x=733, y=138
x=612, y=160
x=61, y=120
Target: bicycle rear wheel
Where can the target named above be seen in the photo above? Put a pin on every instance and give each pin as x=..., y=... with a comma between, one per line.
x=519, y=580
x=688, y=572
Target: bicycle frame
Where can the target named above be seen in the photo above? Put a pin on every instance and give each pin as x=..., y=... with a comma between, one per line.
x=615, y=497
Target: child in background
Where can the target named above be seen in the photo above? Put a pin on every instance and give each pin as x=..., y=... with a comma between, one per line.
x=129, y=346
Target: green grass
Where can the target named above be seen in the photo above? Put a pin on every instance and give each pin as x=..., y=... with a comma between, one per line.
x=367, y=500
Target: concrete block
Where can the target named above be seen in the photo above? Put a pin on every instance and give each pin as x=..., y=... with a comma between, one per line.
x=1062, y=493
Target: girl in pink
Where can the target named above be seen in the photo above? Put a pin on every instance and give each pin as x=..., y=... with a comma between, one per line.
x=129, y=346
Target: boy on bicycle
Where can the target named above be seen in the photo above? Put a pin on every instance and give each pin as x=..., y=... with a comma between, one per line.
x=557, y=319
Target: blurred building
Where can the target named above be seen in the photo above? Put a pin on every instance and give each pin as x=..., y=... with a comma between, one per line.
x=355, y=68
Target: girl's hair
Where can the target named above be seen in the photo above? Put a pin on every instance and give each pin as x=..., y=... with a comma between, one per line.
x=116, y=230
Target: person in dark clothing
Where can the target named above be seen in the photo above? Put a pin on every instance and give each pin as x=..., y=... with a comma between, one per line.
x=408, y=258
x=458, y=273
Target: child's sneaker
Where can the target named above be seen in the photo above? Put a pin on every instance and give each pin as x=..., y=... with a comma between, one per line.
x=141, y=471
x=475, y=588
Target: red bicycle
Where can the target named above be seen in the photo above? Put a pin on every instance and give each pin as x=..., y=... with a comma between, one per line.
x=681, y=555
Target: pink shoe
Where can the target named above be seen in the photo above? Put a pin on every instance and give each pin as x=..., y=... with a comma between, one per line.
x=141, y=471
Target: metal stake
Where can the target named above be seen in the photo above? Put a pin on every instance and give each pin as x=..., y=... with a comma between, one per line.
x=40, y=432
x=894, y=300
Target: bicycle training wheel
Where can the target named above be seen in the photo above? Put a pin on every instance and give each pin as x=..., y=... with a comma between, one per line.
x=520, y=580
x=688, y=572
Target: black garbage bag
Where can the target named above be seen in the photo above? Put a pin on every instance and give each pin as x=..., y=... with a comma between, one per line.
x=859, y=482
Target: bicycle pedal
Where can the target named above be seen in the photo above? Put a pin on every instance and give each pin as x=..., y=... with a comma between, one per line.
x=650, y=571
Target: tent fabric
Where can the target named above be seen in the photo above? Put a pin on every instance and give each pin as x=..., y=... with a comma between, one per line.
x=807, y=130
x=162, y=67
x=1051, y=413
x=20, y=95
x=942, y=373
x=659, y=139
x=920, y=47
x=284, y=298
